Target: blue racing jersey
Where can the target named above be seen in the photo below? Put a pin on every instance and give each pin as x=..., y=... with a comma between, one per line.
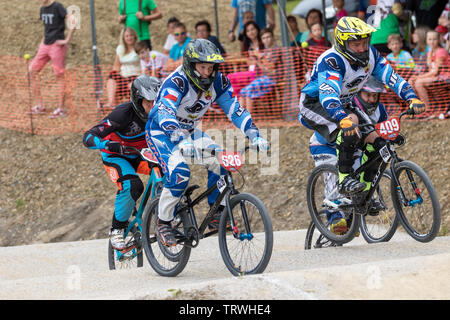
x=335, y=81
x=181, y=105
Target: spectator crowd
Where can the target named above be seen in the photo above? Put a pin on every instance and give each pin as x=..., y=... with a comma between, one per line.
x=409, y=34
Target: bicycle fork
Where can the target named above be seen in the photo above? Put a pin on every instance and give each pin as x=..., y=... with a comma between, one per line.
x=401, y=195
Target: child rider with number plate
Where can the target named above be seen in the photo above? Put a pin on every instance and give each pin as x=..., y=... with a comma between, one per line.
x=337, y=76
x=183, y=99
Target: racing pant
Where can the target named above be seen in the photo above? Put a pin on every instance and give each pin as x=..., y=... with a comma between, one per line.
x=123, y=172
x=176, y=169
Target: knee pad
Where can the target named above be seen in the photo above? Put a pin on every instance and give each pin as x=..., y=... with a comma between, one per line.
x=178, y=180
x=136, y=188
x=345, y=157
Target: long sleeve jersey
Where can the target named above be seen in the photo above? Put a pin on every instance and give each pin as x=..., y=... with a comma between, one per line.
x=181, y=105
x=121, y=125
x=335, y=81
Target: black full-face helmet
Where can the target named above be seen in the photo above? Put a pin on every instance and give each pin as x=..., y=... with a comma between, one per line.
x=374, y=86
x=143, y=87
x=201, y=51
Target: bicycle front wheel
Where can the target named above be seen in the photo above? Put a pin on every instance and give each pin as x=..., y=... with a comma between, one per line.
x=416, y=202
x=381, y=226
x=128, y=260
x=166, y=261
x=315, y=240
x=322, y=195
x=247, y=249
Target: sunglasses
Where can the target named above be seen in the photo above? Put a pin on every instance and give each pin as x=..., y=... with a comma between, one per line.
x=176, y=34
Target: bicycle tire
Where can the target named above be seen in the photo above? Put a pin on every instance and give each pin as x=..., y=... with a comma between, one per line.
x=261, y=233
x=431, y=202
x=382, y=226
x=113, y=258
x=320, y=242
x=315, y=206
x=156, y=256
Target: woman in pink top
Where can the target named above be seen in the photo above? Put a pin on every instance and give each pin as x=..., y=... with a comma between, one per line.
x=436, y=58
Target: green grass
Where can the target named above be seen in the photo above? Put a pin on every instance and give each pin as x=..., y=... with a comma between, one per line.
x=290, y=5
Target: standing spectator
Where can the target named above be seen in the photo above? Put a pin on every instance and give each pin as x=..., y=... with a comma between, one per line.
x=52, y=47
x=426, y=12
x=203, y=30
x=176, y=53
x=294, y=33
x=243, y=12
x=138, y=14
x=266, y=61
x=263, y=14
x=317, y=38
x=400, y=58
x=405, y=24
x=170, y=40
x=388, y=26
x=125, y=69
x=152, y=62
x=313, y=16
x=338, y=6
x=436, y=58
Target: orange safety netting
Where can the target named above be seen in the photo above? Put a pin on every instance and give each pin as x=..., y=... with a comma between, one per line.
x=275, y=103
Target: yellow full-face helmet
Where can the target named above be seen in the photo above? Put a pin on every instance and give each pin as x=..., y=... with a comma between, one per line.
x=350, y=29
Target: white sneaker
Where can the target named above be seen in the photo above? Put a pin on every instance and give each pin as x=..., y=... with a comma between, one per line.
x=116, y=239
x=37, y=109
x=58, y=113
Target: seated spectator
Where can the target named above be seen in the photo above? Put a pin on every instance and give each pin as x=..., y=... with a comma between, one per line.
x=251, y=42
x=338, y=6
x=266, y=61
x=400, y=58
x=203, y=30
x=419, y=52
x=317, y=38
x=295, y=35
x=251, y=39
x=436, y=58
x=246, y=17
x=313, y=16
x=126, y=67
x=176, y=53
x=152, y=62
x=388, y=26
x=442, y=31
x=170, y=40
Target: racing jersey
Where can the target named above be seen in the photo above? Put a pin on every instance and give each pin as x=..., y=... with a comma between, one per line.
x=181, y=105
x=335, y=81
x=121, y=125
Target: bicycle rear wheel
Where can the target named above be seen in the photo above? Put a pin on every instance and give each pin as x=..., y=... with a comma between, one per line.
x=248, y=249
x=419, y=210
x=166, y=261
x=322, y=194
x=131, y=259
x=380, y=227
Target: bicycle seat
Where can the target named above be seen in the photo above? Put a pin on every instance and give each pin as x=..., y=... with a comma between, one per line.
x=191, y=189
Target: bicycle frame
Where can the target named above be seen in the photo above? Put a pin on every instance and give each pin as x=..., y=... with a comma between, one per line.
x=226, y=189
x=149, y=193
